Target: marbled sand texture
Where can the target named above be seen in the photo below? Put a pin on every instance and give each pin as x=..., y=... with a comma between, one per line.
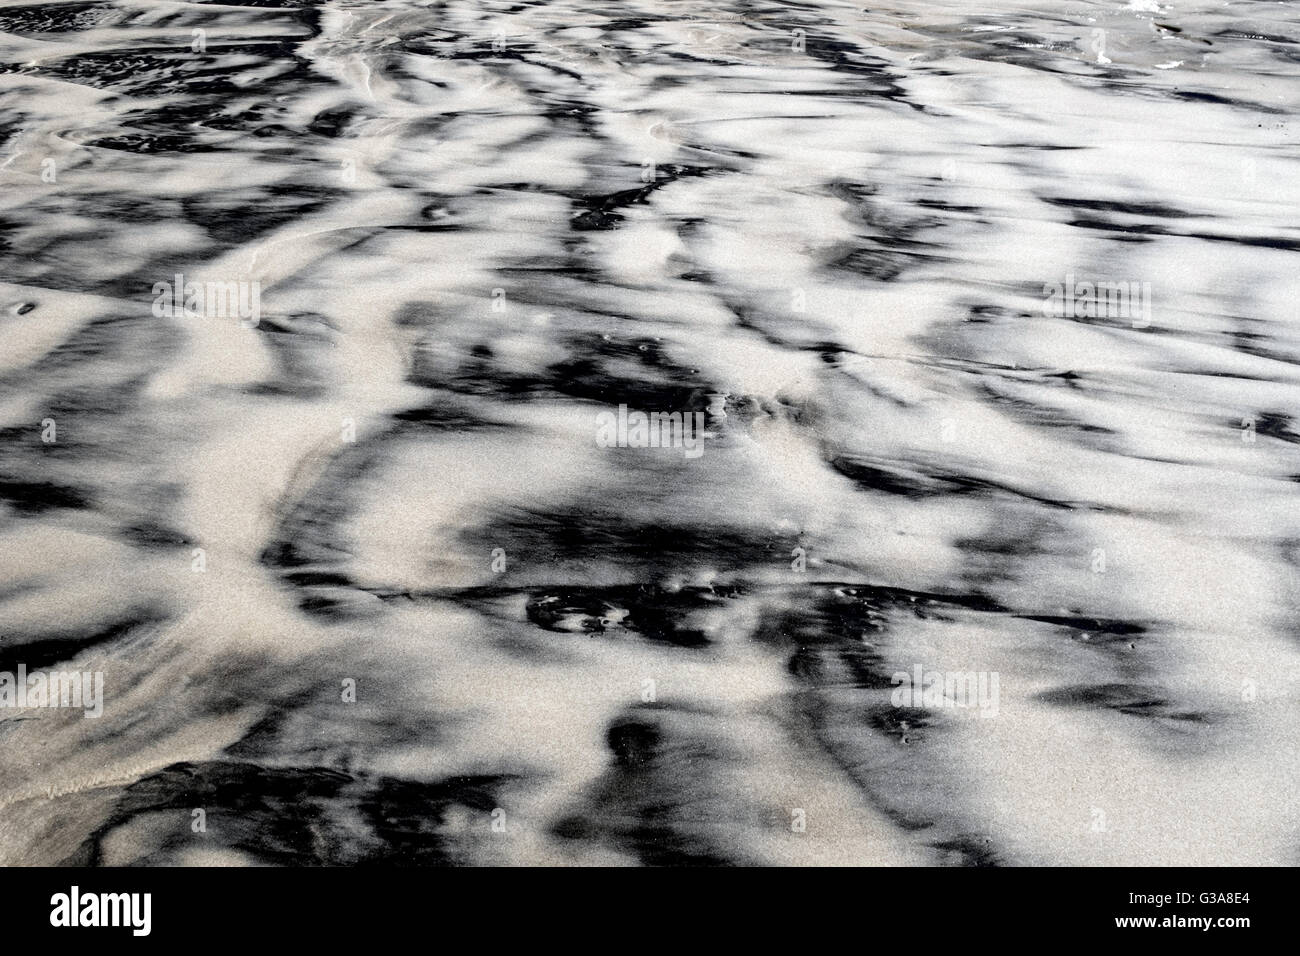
x=827, y=229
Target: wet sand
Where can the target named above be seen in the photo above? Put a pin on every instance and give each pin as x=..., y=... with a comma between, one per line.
x=366, y=586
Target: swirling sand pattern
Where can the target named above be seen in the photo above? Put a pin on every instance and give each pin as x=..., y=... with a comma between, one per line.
x=827, y=230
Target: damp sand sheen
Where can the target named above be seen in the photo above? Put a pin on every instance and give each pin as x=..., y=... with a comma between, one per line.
x=633, y=391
